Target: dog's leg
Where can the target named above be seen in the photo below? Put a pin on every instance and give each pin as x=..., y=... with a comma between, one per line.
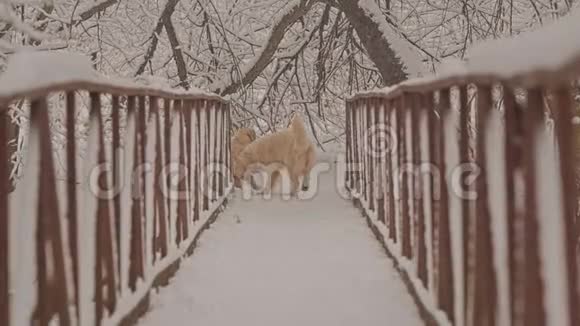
x=306, y=182
x=274, y=179
x=310, y=161
x=253, y=183
x=295, y=180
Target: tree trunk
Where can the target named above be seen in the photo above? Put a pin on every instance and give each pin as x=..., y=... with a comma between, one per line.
x=378, y=49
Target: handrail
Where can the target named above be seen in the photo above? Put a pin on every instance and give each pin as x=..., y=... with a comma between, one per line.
x=147, y=170
x=469, y=180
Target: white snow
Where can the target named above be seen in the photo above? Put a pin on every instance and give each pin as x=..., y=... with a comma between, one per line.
x=551, y=47
x=275, y=262
x=32, y=70
x=548, y=49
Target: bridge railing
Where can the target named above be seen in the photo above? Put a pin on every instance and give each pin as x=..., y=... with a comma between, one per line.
x=116, y=181
x=469, y=181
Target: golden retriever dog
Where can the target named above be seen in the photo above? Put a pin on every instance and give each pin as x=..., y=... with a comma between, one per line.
x=289, y=149
x=242, y=138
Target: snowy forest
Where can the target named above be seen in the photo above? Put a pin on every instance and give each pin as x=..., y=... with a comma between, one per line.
x=449, y=130
x=270, y=57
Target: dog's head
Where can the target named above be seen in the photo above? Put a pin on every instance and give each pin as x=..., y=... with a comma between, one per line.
x=247, y=134
x=239, y=168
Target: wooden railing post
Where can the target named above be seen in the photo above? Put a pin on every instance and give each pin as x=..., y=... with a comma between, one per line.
x=52, y=289
x=160, y=210
x=371, y=131
x=391, y=177
x=182, y=213
x=348, y=145
x=404, y=176
x=136, y=264
x=417, y=113
x=484, y=288
x=116, y=165
x=533, y=313
x=445, y=280
x=105, y=289
x=567, y=143
x=4, y=219
x=382, y=152
x=512, y=143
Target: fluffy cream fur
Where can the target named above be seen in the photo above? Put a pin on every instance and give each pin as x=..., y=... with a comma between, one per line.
x=289, y=148
x=242, y=138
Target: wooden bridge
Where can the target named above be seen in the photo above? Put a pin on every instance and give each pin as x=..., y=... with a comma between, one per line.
x=468, y=181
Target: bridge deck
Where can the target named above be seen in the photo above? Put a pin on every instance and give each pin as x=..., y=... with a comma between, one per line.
x=312, y=262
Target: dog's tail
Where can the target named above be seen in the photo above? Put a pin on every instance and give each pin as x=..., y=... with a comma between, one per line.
x=301, y=141
x=297, y=125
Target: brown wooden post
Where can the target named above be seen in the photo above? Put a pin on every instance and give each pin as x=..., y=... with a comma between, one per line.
x=197, y=163
x=348, y=145
x=567, y=144
x=52, y=291
x=229, y=145
x=485, y=300
x=363, y=141
x=359, y=150
x=181, y=217
x=355, y=158
x=206, y=159
x=104, y=265
x=116, y=125
x=136, y=263
x=187, y=112
x=221, y=145
x=72, y=212
x=168, y=114
x=354, y=128
x=513, y=137
x=381, y=140
x=370, y=156
x=214, y=151
x=403, y=176
x=418, y=111
x=534, y=313
x=160, y=213
x=466, y=204
x=4, y=218
x=391, y=177
x=445, y=279
x=360, y=161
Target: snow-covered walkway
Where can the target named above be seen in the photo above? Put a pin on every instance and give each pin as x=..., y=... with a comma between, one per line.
x=266, y=263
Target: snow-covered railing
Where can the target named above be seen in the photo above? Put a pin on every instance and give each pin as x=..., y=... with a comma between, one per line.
x=117, y=182
x=469, y=180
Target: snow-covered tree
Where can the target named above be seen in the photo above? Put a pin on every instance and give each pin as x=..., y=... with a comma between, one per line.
x=270, y=57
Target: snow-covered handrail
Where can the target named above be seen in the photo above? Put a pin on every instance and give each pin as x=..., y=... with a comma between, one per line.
x=549, y=56
x=469, y=179
x=117, y=180
x=36, y=73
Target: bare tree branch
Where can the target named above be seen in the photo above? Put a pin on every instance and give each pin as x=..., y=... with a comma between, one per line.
x=166, y=14
x=377, y=47
x=276, y=35
x=177, y=54
x=87, y=14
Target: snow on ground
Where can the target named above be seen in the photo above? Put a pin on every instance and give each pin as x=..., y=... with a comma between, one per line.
x=312, y=262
